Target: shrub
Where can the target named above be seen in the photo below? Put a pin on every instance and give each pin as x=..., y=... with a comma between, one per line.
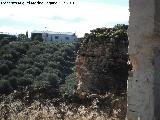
x=13, y=82
x=54, y=80
x=23, y=63
x=70, y=85
x=4, y=69
x=5, y=87
x=25, y=80
x=16, y=73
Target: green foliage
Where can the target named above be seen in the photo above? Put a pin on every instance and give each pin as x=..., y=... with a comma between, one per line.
x=16, y=73
x=7, y=37
x=22, y=37
x=13, y=82
x=4, y=42
x=26, y=80
x=4, y=69
x=70, y=85
x=53, y=80
x=112, y=70
x=32, y=63
x=37, y=37
x=5, y=87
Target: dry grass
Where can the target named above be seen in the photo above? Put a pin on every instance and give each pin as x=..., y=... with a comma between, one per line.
x=17, y=110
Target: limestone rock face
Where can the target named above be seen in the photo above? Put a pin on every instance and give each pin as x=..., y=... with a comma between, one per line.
x=144, y=51
x=89, y=67
x=102, y=60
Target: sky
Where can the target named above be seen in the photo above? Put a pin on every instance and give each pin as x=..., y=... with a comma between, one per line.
x=79, y=16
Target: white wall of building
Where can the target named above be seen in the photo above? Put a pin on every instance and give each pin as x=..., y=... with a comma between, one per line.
x=58, y=37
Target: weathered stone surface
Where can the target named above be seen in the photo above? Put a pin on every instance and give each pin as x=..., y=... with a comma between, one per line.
x=101, y=55
x=144, y=46
x=88, y=65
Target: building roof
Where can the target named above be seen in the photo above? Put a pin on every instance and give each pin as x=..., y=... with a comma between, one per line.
x=51, y=32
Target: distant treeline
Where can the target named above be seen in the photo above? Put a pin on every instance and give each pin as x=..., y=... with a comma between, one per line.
x=8, y=37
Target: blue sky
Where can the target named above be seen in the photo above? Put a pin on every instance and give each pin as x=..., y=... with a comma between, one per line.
x=80, y=17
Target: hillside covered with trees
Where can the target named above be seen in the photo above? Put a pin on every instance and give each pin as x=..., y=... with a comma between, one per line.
x=36, y=65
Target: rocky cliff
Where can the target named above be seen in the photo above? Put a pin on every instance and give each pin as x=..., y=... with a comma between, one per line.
x=101, y=64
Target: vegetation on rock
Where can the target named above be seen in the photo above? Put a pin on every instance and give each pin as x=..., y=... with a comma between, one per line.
x=102, y=60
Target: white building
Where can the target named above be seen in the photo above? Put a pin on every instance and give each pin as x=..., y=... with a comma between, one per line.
x=49, y=36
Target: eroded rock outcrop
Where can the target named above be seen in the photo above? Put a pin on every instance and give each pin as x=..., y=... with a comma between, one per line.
x=101, y=64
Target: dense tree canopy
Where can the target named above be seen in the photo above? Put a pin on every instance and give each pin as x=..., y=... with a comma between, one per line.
x=30, y=63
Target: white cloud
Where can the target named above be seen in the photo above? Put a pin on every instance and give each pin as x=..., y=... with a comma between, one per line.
x=38, y=17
